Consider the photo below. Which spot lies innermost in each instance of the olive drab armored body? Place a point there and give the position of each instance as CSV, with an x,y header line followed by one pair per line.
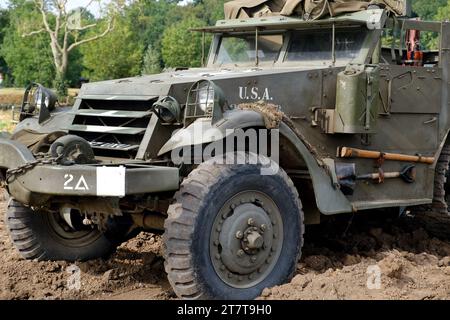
x,y
340,110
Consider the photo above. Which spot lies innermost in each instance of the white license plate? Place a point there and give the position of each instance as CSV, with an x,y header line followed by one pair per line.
x,y
111,181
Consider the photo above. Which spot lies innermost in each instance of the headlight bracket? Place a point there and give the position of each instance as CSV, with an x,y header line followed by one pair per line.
x,y
205,100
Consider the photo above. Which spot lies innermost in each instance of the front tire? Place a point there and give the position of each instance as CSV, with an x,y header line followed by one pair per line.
x,y
43,236
232,232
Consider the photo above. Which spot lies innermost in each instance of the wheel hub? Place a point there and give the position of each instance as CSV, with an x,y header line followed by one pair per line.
x,y
244,240
254,239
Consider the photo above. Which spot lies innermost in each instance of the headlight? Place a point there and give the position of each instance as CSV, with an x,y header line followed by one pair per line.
x,y
38,100
168,110
205,99
205,96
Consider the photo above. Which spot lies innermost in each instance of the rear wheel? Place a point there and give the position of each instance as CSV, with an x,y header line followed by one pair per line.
x,y
47,236
435,218
232,232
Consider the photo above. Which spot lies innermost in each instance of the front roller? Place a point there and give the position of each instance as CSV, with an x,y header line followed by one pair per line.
x,y
232,232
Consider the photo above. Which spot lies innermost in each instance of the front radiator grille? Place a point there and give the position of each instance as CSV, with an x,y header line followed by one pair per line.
x,y
113,128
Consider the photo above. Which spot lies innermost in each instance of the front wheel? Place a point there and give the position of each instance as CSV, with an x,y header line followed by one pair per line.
x,y
46,236
232,232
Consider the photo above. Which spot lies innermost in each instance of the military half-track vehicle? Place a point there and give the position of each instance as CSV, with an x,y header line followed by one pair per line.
x,y
358,125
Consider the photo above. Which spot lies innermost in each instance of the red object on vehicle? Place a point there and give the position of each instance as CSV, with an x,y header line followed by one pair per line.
x,y
414,53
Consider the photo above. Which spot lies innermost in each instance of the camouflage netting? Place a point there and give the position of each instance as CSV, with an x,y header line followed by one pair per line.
x,y
307,9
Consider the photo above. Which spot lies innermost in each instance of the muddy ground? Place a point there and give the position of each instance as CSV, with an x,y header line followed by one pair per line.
x,y
335,263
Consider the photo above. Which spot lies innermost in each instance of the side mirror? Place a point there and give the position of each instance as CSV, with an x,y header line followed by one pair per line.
x,y
38,100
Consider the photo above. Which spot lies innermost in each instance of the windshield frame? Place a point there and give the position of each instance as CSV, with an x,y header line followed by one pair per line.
x,y
216,45
368,46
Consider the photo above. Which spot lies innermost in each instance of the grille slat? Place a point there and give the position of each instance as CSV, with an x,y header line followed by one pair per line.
x,y
106,129
114,128
112,113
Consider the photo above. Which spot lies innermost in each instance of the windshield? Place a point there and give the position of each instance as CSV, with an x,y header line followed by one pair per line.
x,y
317,45
242,49
308,46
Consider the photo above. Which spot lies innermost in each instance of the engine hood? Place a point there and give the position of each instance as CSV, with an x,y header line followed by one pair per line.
x,y
148,87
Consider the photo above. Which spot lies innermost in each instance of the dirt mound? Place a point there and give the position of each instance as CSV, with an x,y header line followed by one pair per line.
x,y
340,261
396,259
137,267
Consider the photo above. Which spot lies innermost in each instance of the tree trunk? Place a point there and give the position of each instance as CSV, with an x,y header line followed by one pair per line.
x,y
61,83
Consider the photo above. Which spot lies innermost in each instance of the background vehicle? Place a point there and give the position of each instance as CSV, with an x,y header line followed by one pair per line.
x,y
359,127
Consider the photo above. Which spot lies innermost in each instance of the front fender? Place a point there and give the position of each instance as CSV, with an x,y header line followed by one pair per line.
x,y
202,131
329,200
13,154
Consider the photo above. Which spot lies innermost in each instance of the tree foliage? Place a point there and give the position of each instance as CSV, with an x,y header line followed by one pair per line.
x,y
4,22
443,12
180,46
117,55
428,9
151,62
149,35
27,59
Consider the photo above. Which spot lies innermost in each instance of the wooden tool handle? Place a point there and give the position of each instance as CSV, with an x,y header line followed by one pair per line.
x,y
345,152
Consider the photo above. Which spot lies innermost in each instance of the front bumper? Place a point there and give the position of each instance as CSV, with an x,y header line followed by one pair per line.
x,y
38,184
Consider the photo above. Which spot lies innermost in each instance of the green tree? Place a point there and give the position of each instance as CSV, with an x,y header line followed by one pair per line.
x,y
117,55
209,11
4,22
443,13
151,62
66,31
180,46
28,59
427,9
149,19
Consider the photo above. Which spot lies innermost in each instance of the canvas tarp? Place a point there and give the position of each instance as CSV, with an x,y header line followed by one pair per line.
x,y
307,9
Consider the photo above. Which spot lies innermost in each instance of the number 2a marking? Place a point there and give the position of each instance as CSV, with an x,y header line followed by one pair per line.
x,y
69,179
80,186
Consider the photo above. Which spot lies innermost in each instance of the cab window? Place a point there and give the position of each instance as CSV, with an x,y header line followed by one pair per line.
x,y
317,45
242,49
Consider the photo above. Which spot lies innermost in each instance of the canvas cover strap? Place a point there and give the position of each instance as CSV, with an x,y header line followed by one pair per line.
x,y
307,9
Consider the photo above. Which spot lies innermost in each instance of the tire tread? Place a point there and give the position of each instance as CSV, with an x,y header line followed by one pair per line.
x,y
179,227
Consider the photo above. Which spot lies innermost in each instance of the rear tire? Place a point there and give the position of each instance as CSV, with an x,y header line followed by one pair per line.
x,y
435,218
36,236
218,204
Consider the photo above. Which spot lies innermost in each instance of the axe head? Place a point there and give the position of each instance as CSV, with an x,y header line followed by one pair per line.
x,y
346,175
408,174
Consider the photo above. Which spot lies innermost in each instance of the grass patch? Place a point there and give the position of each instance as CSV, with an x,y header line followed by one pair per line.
x,y
11,96
6,123
14,96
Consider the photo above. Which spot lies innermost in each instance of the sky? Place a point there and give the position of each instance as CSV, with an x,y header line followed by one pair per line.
x,y
71,4
78,3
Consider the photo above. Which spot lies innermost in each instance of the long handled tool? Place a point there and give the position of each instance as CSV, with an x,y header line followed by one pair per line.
x,y
344,152
346,174
408,174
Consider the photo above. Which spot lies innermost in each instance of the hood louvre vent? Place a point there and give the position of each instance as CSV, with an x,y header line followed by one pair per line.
x,y
114,128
